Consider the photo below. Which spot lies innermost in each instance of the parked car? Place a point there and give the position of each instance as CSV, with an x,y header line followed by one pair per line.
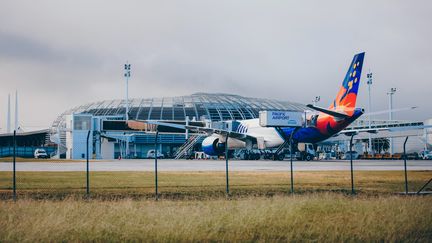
x,y
397,156
40,153
324,156
348,155
426,154
412,156
151,154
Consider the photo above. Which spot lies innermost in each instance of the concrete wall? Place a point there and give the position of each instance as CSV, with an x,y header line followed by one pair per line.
x,y
107,149
77,126
80,143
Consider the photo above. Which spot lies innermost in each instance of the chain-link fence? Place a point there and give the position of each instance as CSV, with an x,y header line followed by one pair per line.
x,y
22,177
60,179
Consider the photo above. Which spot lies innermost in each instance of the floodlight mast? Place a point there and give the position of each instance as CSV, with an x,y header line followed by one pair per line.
x,y
316,100
390,93
369,83
16,110
8,123
127,73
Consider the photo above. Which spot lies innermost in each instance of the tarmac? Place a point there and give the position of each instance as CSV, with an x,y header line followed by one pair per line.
x,y
219,165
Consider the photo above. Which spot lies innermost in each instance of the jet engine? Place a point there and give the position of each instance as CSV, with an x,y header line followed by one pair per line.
x,y
212,146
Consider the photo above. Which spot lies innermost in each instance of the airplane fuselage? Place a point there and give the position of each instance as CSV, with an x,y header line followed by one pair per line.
x,y
325,127
328,122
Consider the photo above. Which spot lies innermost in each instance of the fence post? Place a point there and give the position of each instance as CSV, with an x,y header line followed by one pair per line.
x,y
405,165
291,158
226,166
351,165
87,167
291,162
156,166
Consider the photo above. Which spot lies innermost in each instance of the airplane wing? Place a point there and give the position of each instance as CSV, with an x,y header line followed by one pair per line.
x,y
376,130
141,125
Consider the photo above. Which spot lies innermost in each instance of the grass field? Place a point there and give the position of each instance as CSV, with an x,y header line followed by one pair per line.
x,y
321,217
50,207
202,185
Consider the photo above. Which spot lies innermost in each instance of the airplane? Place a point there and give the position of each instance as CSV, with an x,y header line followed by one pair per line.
x,y
249,134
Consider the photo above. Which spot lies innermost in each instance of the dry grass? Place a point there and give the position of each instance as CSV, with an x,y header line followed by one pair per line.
x,y
260,208
322,217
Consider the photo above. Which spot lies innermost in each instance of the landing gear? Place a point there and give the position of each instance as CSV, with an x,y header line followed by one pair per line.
x,y
307,157
248,155
279,156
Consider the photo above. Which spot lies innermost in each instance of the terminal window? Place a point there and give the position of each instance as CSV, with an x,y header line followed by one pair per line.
x,y
82,122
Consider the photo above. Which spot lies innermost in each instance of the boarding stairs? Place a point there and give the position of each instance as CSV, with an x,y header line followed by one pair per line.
x,y
59,138
187,146
281,147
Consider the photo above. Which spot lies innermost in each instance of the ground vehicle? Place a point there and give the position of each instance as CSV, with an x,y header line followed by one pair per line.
x,y
425,154
40,153
306,151
151,154
413,156
331,155
350,154
253,154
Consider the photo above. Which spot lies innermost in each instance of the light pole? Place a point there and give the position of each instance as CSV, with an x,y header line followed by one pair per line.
x,y
390,93
127,73
16,111
316,100
369,83
8,122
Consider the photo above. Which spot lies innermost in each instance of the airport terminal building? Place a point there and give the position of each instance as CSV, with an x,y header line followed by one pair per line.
x,y
110,137
113,139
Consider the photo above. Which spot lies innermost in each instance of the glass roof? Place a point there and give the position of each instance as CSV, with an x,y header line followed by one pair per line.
x,y
198,106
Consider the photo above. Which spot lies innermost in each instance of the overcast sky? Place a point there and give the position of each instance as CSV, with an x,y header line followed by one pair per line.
x,y
61,54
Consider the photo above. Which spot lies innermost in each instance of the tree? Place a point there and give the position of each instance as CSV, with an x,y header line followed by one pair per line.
x,y
380,144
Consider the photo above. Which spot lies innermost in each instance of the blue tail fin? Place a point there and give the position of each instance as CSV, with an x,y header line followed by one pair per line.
x,y
347,94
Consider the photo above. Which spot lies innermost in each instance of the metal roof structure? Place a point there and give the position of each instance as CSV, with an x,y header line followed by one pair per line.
x,y
33,138
198,106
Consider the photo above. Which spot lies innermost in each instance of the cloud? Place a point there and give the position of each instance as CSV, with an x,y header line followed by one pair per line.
x,y
60,54
25,49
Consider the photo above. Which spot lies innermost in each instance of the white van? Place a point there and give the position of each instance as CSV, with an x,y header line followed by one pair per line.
x,y
40,153
151,154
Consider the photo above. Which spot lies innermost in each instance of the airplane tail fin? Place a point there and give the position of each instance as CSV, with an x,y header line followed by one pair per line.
x,y
346,98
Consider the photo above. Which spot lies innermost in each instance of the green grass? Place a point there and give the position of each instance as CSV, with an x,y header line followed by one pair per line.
x,y
319,217
203,185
